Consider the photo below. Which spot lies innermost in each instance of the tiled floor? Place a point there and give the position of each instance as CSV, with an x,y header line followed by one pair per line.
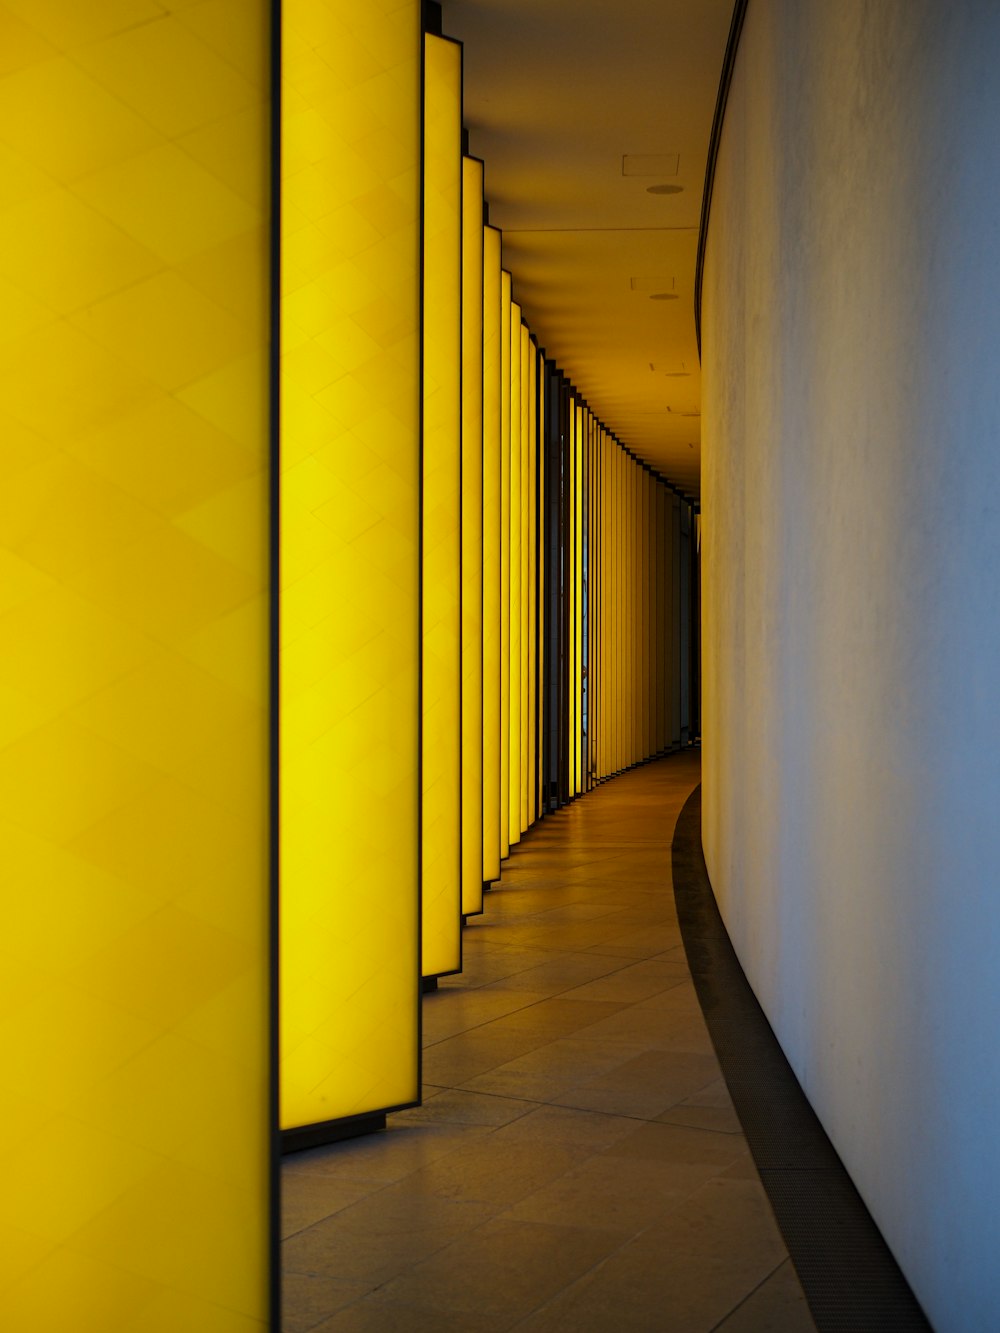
x,y
576,1164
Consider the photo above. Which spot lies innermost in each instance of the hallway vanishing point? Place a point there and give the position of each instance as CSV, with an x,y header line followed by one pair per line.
x,y
576,1163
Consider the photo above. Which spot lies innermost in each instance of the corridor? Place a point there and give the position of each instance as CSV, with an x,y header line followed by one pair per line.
x,y
576,1163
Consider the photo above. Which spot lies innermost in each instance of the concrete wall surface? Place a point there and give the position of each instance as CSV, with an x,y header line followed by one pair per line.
x,y
851,560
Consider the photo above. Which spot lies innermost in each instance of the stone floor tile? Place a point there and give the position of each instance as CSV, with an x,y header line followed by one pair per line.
x,y
445,1015
383,1157
374,1315
452,1062
561,972
630,984
776,1306
487,1174
591,1131
684,1276
503,1269
552,1069
309,1196
373,1245
621,1194
719,1118
658,1141
456,1106
308,1300
644,1085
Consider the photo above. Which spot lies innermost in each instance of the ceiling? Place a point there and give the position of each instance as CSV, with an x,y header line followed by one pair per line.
x,y
577,107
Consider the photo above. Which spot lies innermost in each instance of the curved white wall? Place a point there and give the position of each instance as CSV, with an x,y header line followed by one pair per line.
x,y
851,560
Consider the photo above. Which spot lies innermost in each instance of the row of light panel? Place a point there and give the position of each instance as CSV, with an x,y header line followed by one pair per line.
x,y
480,604
383,550
626,582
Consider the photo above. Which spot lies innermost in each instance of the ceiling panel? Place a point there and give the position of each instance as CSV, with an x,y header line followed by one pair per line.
x,y
577,108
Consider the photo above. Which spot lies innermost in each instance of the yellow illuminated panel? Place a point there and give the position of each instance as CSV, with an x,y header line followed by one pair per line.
x,y
635,527
642,608
584,608
665,499
505,565
602,679
472,535
602,714
350,578
649,664
638,612
527,496
515,666
628,534
533,640
647,615
602,604
491,556
631,622
591,603
654,616
611,618
676,696
630,607
578,599
541,610
642,615
570,593
134,1107
593,544
655,589
661,604
598,670
619,609
441,759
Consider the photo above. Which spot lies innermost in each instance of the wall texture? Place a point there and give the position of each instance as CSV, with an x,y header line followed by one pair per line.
x,y
851,548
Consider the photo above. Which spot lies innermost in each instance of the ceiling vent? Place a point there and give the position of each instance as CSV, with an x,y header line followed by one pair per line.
x,y
652,284
650,164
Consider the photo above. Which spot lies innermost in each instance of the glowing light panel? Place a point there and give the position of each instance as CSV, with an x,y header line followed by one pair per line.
x,y
514,664
492,551
505,563
527,499
441,941
473,690
350,582
134,1117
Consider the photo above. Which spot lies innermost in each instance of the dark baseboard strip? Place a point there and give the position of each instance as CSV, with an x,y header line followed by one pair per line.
x,y
330,1131
849,1276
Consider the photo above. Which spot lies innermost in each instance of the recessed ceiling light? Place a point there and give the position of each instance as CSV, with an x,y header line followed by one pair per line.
x,y
664,189
663,296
